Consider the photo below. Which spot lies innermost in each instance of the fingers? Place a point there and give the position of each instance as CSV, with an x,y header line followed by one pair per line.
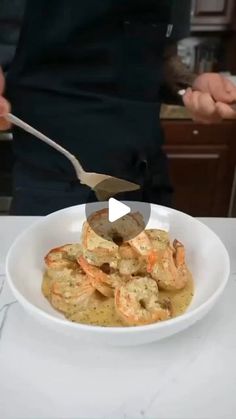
x,y
223,90
4,105
201,107
206,105
225,111
220,88
4,124
4,109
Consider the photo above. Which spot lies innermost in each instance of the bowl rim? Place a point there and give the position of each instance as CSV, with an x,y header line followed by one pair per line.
x,y
188,315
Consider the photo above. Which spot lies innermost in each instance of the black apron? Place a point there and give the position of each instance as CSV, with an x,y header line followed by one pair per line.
x,y
88,75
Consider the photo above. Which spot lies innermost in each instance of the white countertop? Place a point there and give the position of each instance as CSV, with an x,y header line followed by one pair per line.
x,y
189,376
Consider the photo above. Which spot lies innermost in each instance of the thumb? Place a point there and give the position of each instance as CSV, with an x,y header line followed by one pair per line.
x,y
4,105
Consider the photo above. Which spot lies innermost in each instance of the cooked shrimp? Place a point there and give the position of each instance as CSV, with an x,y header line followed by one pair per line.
x,y
170,270
179,253
63,256
129,266
120,260
117,232
159,241
180,263
73,251
117,280
97,249
73,294
159,238
141,243
126,251
137,302
60,274
151,260
109,245
99,279
130,261
56,258
71,288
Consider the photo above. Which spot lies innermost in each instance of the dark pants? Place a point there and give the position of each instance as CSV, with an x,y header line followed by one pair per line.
x,y
40,192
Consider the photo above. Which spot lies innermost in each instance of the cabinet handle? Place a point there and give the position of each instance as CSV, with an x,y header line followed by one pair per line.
x,y
195,132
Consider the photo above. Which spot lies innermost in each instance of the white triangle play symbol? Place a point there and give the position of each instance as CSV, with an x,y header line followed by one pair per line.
x,y
116,210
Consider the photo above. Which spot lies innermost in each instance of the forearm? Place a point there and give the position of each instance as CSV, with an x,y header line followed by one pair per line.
x,y
176,76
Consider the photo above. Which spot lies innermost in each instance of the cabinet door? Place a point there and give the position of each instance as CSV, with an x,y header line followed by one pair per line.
x,y
202,160
199,175
212,12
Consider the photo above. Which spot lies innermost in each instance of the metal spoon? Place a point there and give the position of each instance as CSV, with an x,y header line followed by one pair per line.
x,y
96,181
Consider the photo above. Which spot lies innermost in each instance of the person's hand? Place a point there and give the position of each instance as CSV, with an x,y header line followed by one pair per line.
x,y
211,99
4,105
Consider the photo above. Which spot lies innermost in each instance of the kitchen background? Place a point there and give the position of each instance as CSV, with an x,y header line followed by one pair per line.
x,y
202,159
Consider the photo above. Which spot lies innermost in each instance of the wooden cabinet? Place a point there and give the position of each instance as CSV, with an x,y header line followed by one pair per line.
x,y
212,14
201,163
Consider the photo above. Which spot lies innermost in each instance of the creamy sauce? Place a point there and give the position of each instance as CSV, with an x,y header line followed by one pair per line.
x,y
100,311
180,300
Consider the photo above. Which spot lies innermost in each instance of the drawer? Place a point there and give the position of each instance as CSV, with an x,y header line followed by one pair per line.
x,y
193,133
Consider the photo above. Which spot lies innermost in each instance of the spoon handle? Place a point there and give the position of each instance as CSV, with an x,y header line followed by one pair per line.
x,y
26,127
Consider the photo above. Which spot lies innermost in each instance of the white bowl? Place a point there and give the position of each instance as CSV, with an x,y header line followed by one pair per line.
x,y
206,256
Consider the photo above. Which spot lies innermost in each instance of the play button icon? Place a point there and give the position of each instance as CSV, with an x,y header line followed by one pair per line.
x,y
116,210
113,217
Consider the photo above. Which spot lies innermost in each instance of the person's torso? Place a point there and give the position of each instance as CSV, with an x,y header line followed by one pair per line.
x,y
104,47
88,73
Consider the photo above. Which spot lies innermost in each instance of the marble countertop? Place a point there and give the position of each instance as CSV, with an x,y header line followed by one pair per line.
x,y
44,375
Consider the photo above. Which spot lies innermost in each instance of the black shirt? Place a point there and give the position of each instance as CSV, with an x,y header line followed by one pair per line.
x,y
10,23
88,74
